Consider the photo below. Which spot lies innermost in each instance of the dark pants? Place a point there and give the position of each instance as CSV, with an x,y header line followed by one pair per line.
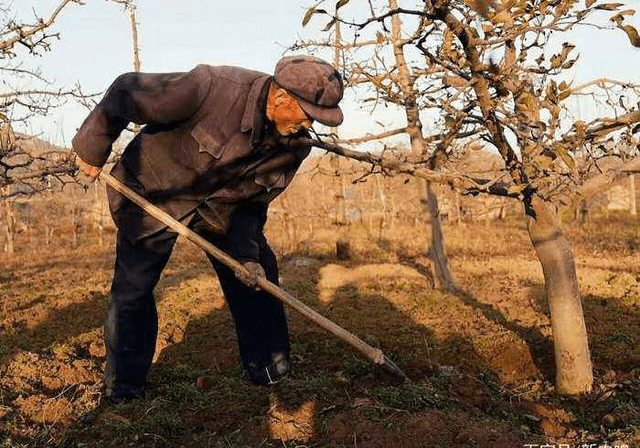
x,y
132,320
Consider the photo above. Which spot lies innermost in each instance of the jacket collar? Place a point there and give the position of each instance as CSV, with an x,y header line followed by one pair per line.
x,y
254,108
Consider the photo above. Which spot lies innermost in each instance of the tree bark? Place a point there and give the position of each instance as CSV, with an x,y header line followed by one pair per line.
x,y
136,48
289,225
632,195
442,278
573,363
99,215
340,210
9,228
74,227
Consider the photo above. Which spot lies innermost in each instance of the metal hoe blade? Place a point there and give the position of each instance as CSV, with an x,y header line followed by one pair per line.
x,y
393,368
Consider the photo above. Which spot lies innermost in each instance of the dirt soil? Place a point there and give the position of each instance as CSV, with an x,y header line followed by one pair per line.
x,y
480,359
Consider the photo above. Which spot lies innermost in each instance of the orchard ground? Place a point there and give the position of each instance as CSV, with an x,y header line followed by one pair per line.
x,y
481,359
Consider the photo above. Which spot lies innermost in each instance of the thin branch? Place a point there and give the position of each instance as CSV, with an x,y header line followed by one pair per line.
x,y
23,33
391,13
368,138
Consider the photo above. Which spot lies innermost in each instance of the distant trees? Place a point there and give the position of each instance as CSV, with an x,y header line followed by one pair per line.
x,y
494,74
26,168
25,92
27,164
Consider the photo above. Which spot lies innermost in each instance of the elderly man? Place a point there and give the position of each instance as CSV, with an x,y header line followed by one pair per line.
x,y
218,145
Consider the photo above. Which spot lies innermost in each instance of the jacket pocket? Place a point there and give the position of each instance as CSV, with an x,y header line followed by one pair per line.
x,y
271,180
209,144
117,201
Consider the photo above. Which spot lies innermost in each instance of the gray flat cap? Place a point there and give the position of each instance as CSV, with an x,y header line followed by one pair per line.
x,y
316,85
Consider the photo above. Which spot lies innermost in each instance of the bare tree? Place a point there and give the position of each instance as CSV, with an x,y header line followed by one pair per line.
x,y
397,86
130,5
26,168
496,74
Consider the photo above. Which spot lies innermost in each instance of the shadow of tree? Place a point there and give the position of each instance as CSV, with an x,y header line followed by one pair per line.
x,y
327,373
613,333
59,325
329,379
540,347
51,346
81,310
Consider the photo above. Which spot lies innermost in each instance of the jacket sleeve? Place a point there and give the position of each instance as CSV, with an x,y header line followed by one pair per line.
x,y
141,98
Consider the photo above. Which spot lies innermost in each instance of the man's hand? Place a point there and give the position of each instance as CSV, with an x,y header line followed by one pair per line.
x,y
92,172
255,272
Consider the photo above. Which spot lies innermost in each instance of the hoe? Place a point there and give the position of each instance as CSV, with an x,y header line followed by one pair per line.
x,y
373,354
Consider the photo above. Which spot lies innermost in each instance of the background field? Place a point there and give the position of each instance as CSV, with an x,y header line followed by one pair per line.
x,y
481,359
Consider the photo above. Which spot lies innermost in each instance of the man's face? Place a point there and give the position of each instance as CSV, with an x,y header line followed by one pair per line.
x,y
287,115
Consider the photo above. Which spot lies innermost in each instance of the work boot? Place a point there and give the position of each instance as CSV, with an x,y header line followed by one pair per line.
x,y
123,393
271,374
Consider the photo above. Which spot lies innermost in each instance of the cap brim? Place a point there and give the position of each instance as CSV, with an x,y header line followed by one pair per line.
x,y
329,116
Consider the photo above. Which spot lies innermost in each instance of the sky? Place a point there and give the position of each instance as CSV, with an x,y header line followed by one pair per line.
x,y
95,46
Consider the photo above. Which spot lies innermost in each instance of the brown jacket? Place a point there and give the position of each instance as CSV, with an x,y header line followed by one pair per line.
x,y
206,145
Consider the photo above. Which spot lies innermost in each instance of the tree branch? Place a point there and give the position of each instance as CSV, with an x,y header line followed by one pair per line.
x,y
23,34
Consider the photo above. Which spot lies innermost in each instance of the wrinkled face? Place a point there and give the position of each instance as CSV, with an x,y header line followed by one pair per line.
x,y
286,114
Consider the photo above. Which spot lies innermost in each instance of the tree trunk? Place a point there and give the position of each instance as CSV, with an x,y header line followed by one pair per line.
x,y
9,228
134,36
99,215
75,225
49,231
573,363
632,195
442,276
289,224
406,81
339,181
382,201
136,49
339,217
